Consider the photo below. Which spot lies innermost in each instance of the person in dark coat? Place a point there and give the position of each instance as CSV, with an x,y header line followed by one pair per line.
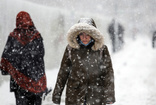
x,y
154,39
86,68
23,60
111,31
120,36
116,32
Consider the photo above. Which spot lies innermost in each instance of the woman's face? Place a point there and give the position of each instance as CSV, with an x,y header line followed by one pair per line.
x,y
85,38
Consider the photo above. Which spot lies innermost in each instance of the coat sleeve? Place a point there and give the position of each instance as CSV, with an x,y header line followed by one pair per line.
x,y
6,52
109,77
62,77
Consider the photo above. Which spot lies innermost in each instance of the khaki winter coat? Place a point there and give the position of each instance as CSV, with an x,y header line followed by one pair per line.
x,y
87,72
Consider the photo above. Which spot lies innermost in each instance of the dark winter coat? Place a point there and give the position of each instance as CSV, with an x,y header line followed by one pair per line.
x,y
87,71
22,57
154,39
112,31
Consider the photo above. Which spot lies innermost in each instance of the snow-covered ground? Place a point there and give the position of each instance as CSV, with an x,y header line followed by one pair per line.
x,y
135,74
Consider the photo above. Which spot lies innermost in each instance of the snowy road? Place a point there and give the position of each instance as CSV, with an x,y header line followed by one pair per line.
x,y
135,74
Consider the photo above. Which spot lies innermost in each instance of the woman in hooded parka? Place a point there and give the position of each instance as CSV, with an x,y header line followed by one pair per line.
x,y
22,59
86,68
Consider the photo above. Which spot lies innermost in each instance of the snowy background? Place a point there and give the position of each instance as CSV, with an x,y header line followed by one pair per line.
x,y
134,65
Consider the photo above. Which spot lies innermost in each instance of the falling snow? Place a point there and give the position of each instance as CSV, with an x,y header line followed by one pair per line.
x,y
134,65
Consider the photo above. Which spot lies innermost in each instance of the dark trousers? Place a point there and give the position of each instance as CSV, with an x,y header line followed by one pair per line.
x,y
84,103
154,42
27,99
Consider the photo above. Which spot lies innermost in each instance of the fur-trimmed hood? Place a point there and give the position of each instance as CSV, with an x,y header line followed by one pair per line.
x,y
78,28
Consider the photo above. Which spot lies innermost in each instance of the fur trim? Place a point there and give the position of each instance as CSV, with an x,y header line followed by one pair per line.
x,y
78,28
